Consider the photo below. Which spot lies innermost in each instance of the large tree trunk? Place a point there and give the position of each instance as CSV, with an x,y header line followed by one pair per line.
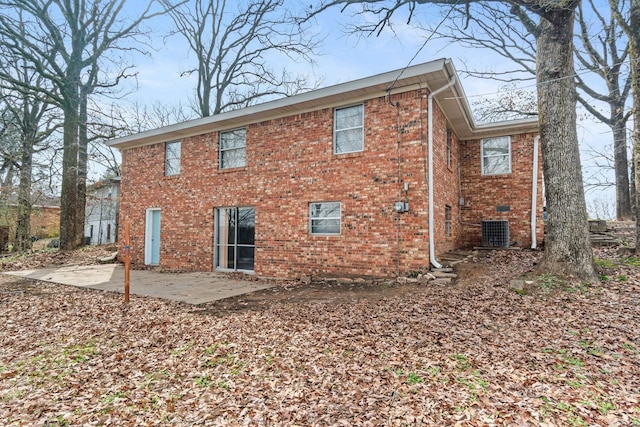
x,y
567,246
632,189
621,165
69,190
634,56
83,144
23,228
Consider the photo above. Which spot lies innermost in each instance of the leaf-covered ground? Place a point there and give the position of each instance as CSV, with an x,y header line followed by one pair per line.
x,y
474,353
87,255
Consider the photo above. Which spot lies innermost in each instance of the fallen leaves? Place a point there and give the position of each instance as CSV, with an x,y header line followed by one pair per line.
x,y
472,354
87,255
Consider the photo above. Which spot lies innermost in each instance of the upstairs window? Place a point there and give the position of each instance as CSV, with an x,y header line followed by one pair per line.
x,y
172,158
496,155
348,129
233,152
325,218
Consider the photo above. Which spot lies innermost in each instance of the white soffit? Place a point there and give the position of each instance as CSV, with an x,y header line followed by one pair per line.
x,y
431,75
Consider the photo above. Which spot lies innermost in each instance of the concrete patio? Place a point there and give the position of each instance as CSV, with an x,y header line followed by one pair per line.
x,y
192,288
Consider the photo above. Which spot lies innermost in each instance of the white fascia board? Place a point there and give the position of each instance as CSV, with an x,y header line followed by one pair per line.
x,y
456,108
507,127
312,100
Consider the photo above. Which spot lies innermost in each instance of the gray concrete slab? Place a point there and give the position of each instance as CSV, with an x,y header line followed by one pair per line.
x,y
192,288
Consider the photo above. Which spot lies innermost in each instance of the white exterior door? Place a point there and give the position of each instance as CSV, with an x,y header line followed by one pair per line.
x,y
152,238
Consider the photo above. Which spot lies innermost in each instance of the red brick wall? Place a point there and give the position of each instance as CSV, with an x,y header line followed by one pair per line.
x,y
45,221
482,194
446,184
290,163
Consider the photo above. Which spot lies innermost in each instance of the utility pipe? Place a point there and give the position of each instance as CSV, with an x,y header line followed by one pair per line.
x,y
432,251
534,192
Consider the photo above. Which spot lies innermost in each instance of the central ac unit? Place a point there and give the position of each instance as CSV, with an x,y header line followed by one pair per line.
x,y
495,233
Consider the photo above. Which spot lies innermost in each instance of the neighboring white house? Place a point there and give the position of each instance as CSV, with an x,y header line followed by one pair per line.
x,y
101,220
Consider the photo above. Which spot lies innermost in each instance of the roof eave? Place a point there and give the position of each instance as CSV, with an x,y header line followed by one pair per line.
x,y
453,102
430,74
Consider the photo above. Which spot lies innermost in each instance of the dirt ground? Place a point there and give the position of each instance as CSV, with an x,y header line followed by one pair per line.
x,y
332,293
286,293
477,266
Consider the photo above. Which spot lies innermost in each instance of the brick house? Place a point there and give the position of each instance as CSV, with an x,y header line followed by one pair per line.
x,y
45,219
332,181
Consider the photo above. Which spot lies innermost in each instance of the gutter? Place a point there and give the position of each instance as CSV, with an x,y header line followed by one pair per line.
x,y
432,251
534,192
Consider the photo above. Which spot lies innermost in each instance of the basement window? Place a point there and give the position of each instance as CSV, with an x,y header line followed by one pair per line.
x,y
348,129
233,149
496,155
324,217
447,221
172,158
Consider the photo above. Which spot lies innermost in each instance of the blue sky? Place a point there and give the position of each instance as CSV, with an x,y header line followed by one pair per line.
x,y
343,58
346,58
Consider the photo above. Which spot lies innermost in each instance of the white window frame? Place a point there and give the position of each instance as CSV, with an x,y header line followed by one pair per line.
x,y
483,156
447,221
312,218
221,150
336,131
174,161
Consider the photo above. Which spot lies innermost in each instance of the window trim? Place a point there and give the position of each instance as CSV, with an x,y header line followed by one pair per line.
x,y
339,218
447,220
167,159
221,150
336,130
482,155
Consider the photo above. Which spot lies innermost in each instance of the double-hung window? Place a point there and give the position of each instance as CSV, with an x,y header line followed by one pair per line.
x,y
324,217
348,129
172,158
496,155
233,152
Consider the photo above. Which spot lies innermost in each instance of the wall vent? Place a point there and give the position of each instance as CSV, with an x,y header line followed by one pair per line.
x,y
495,234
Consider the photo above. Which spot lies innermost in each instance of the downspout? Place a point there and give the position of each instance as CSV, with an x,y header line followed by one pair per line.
x,y
432,249
534,192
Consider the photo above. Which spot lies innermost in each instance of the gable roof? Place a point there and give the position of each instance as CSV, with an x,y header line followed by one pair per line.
x,y
432,75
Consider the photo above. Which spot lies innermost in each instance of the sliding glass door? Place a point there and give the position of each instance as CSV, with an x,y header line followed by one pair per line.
x,y
235,238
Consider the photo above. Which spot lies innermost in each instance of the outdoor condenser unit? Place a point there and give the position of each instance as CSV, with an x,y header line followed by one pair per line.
x,y
495,234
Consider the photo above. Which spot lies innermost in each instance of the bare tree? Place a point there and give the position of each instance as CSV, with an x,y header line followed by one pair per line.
x,y
32,123
509,103
69,44
35,124
142,117
600,49
9,150
630,26
602,208
603,52
567,247
235,44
